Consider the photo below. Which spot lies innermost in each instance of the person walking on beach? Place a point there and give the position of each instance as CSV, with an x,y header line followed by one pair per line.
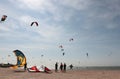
x,y
56,67
64,67
61,67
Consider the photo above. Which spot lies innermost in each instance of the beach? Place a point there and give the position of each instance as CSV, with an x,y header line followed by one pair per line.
x,y
7,73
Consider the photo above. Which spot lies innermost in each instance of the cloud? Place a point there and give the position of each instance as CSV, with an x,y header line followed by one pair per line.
x,y
100,14
45,7
43,30
89,22
34,4
89,10
3,28
26,19
93,14
77,4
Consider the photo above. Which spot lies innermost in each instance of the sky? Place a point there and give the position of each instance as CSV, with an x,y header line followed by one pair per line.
x,y
93,24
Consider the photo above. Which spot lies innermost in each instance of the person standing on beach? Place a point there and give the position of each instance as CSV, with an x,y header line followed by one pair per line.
x,y
25,66
61,67
56,67
64,67
71,66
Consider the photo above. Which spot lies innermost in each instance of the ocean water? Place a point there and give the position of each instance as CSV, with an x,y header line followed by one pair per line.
x,y
96,68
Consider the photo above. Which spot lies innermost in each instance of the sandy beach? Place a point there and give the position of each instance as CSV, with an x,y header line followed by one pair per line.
x,y
6,73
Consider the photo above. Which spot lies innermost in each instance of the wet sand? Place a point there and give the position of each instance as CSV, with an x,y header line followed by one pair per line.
x,y
6,73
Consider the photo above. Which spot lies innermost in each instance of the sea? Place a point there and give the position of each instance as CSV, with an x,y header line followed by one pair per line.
x,y
96,68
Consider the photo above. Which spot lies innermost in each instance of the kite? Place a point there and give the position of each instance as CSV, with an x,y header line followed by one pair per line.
x,y
87,54
42,55
42,69
60,46
71,39
8,55
34,23
63,53
3,18
33,69
62,49
21,59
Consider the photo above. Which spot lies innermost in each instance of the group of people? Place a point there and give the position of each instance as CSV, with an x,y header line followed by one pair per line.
x,y
62,67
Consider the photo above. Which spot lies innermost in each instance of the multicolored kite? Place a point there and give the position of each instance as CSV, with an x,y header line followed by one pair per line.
x,y
21,59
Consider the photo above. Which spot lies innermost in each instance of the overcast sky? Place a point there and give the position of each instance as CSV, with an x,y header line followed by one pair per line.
x,y
93,24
